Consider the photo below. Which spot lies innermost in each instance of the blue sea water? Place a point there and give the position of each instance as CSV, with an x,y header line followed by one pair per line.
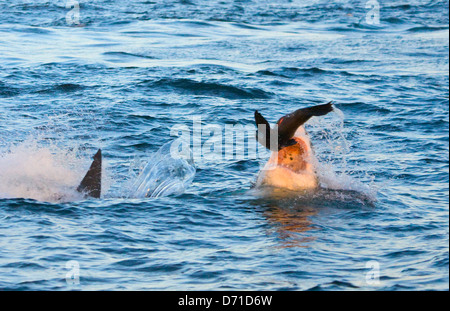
x,y
126,73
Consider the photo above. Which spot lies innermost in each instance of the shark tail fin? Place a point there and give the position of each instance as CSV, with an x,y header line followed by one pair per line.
x,y
91,185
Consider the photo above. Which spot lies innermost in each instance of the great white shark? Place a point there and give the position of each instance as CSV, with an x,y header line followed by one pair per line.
x,y
291,165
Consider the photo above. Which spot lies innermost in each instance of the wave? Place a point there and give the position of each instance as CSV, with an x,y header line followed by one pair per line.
x,y
427,28
63,88
365,107
295,72
289,72
127,55
7,91
208,89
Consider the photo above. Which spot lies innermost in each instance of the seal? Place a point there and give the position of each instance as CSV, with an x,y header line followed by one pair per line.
x,y
291,164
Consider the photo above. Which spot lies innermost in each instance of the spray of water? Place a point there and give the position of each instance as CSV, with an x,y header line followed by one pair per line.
x,y
44,173
163,175
333,168
49,173
44,163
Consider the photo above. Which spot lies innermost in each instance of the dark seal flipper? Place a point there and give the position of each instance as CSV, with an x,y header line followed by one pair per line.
x,y
287,126
264,133
91,186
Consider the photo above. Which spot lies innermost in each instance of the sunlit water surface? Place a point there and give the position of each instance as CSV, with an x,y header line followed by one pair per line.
x,y
132,70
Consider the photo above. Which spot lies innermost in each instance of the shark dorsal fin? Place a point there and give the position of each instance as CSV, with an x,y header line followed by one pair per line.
x,y
91,185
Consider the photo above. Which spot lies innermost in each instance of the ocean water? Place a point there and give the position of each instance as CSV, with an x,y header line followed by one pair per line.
x,y
125,76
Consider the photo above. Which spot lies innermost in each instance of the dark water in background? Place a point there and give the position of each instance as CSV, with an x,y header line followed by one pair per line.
x,y
137,68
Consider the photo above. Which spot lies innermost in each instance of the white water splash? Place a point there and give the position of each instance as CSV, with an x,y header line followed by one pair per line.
x,y
44,173
163,175
333,151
